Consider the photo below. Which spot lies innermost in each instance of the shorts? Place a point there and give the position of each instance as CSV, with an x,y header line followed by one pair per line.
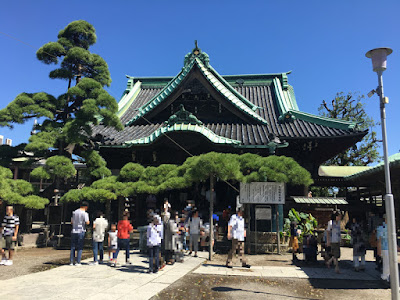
x,y
113,247
9,243
335,250
2,242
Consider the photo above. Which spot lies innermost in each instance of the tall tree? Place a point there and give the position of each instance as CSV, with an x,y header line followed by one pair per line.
x,y
350,107
68,119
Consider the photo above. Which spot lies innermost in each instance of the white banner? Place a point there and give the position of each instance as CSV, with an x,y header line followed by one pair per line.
x,y
262,193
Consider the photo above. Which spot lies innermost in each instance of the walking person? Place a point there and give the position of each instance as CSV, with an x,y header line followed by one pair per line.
x,y
100,226
195,225
359,247
124,230
383,249
237,233
171,232
9,227
79,220
294,241
153,244
333,240
112,242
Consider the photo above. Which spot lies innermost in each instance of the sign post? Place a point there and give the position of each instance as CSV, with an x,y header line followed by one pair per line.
x,y
263,193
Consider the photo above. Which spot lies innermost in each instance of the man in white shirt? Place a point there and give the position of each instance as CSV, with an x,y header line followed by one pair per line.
x,y
79,220
333,239
237,233
100,226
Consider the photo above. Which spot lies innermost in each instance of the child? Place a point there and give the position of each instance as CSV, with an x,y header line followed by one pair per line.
x,y
112,242
153,244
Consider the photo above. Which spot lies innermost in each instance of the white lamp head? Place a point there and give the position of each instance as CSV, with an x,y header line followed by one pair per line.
x,y
378,57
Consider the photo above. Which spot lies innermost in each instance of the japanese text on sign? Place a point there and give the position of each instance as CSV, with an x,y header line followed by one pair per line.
x,y
262,193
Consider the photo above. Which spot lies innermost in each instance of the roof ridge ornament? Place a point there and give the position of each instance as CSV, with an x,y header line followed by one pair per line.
x,y
182,116
197,53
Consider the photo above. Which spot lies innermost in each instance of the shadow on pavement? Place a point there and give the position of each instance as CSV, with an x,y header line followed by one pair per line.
x,y
229,289
348,284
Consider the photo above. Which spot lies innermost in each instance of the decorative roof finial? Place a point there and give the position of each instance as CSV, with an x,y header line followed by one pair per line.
x,y
195,44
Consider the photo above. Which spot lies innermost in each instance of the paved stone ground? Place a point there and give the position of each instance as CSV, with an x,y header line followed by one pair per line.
x,y
97,282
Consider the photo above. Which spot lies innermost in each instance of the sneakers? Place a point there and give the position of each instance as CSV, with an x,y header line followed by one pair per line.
x,y
94,263
71,264
246,266
78,264
8,263
3,262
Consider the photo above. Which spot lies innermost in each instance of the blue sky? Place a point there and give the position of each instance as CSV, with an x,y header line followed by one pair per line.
x,y
322,42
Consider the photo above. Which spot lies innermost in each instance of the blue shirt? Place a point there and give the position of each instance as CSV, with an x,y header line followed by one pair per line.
x,y
382,233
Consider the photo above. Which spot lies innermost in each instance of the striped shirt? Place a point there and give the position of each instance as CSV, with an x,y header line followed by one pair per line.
x,y
9,223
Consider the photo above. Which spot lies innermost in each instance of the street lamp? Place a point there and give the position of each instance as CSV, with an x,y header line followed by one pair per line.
x,y
378,57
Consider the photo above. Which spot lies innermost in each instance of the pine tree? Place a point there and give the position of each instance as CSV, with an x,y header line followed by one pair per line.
x,y
350,107
68,119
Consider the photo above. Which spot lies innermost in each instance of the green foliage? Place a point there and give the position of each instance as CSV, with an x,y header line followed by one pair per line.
x,y
60,166
131,172
88,194
351,107
222,165
18,191
96,165
69,118
273,168
305,222
40,173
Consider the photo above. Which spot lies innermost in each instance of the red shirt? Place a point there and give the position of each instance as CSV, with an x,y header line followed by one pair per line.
x,y
124,226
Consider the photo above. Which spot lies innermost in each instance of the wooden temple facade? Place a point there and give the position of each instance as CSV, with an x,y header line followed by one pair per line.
x,y
169,118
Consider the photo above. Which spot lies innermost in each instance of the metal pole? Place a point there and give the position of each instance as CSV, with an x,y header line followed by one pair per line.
x,y
211,217
389,202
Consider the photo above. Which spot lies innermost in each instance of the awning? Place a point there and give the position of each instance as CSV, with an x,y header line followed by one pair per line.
x,y
340,171
320,200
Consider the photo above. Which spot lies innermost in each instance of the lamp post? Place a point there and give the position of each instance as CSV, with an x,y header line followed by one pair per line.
x,y
378,57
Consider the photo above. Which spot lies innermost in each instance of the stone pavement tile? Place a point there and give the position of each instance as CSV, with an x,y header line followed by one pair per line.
x,y
125,287
148,290
167,278
107,296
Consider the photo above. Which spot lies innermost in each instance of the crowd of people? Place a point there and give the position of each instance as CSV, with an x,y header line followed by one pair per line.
x,y
168,235
365,233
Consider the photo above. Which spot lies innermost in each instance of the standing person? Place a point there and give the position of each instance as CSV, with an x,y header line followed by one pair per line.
x,y
170,237
237,233
333,239
100,226
124,229
79,220
112,242
383,249
294,242
359,247
9,227
195,225
153,244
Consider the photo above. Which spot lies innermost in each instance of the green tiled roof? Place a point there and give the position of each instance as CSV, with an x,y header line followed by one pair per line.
x,y
214,138
394,160
216,80
320,200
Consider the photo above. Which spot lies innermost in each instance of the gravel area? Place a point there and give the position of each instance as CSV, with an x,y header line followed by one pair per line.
x,y
33,260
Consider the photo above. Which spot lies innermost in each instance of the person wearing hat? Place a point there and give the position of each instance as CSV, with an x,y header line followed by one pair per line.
x,y
237,233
